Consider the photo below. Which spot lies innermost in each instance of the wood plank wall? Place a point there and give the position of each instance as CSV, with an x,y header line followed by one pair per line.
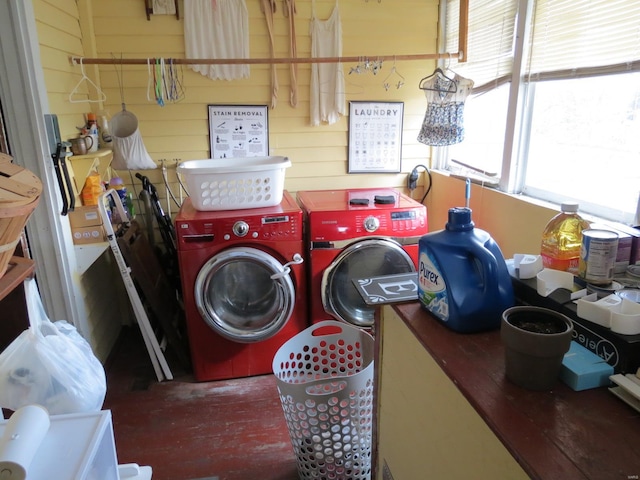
x,y
179,131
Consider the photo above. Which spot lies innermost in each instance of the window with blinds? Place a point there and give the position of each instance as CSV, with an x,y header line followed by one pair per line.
x,y
491,29
576,38
564,127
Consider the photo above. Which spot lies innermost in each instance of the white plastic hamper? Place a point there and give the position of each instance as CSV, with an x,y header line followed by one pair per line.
x,y
325,379
235,183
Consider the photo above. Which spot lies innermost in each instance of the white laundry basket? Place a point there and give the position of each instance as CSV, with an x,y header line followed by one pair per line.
x,y
235,183
325,380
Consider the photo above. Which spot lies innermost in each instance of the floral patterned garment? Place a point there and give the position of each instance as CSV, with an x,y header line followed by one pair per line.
x,y
443,122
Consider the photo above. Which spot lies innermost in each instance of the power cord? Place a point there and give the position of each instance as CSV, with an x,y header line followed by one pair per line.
x,y
412,180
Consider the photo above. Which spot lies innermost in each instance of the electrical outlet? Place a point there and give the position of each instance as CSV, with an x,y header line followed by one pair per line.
x,y
412,180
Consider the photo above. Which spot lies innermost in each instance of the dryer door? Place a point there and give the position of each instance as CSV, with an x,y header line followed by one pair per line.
x,y
243,294
364,259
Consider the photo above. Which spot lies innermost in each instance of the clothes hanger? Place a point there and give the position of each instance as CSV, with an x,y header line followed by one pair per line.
x,y
150,80
353,88
393,71
102,98
176,87
438,81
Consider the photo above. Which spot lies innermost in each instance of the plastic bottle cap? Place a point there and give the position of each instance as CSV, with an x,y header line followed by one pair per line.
x,y
459,219
569,207
116,182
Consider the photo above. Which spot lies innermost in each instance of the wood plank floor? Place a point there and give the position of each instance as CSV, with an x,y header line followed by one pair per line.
x,y
187,430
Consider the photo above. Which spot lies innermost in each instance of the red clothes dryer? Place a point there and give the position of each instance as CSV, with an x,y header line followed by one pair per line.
x,y
357,234
244,285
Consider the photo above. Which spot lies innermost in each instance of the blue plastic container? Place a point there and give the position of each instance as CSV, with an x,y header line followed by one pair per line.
x,y
462,278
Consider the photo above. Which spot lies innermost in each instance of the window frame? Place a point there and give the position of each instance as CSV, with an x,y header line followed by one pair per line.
x,y
521,98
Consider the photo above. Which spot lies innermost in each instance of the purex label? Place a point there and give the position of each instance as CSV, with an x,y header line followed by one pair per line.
x,y
432,289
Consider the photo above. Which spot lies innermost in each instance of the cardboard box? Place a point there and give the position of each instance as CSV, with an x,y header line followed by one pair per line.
x,y
92,234
87,216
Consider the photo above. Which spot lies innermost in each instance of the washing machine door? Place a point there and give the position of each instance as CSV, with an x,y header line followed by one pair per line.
x,y
364,259
244,294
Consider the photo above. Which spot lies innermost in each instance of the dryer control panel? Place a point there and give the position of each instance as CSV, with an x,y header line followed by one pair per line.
x,y
340,215
195,229
335,226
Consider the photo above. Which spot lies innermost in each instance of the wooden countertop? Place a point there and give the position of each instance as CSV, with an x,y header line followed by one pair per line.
x,y
561,434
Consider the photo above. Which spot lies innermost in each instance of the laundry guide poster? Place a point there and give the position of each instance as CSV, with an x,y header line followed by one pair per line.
x,y
375,137
238,131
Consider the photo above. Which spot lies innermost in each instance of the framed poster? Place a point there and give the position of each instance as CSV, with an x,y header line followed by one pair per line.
x,y
238,131
375,137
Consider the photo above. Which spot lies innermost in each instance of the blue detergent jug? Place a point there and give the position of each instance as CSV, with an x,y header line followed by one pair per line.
x,y
463,279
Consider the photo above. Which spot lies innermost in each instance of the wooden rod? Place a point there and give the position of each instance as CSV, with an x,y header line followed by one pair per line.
x,y
256,61
463,30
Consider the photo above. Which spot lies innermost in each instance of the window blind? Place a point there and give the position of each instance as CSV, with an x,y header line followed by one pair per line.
x,y
573,38
490,40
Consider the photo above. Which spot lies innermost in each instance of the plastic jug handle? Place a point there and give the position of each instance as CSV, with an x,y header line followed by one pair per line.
x,y
489,266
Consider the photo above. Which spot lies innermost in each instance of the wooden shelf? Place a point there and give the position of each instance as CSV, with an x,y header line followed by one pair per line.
x,y
87,254
18,270
13,303
82,165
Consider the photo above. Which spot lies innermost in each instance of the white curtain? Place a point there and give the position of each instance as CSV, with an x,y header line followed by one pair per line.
x,y
217,29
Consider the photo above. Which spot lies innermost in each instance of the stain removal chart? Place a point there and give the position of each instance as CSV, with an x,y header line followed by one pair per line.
x,y
238,131
375,137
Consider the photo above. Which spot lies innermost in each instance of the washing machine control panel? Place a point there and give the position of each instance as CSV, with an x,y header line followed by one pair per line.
x,y
371,224
240,228
194,234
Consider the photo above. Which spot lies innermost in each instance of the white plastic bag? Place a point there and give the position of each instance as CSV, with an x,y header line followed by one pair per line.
x,y
50,364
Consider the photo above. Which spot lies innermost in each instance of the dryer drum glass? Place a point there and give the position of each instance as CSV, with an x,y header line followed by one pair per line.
x,y
366,259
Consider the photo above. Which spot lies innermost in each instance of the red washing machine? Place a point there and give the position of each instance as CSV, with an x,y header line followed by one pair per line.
x,y
358,233
244,286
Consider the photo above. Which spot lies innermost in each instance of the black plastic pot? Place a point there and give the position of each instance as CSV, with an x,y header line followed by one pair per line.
x,y
535,341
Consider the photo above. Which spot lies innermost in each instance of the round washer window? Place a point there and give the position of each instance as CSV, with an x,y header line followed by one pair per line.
x,y
238,298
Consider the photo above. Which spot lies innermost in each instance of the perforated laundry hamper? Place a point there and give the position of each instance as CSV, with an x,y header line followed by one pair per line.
x,y
325,380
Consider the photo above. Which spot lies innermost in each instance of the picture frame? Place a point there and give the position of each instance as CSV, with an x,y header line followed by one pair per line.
x,y
375,136
238,131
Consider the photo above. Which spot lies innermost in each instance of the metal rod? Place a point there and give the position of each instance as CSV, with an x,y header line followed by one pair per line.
x,y
257,61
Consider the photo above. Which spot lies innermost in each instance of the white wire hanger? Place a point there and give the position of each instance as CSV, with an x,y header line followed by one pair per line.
x,y
399,80
84,78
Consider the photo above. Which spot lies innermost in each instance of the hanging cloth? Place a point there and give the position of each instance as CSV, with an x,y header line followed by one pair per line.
x,y
443,122
129,152
327,79
290,12
217,29
268,8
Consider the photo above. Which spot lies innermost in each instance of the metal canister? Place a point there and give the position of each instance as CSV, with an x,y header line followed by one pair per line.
x,y
598,256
